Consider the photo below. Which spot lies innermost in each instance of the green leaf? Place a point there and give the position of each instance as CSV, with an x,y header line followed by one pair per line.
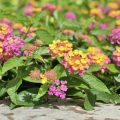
x,y
12,87
72,25
74,92
100,32
22,18
59,18
12,105
38,57
94,82
74,82
38,16
105,97
88,21
93,68
44,35
113,68
31,39
60,70
89,100
11,63
95,41
27,97
2,89
117,78
41,51
0,70
42,90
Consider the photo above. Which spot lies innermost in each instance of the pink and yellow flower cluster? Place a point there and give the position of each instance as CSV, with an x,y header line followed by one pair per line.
x,y
9,45
97,57
76,61
59,48
116,56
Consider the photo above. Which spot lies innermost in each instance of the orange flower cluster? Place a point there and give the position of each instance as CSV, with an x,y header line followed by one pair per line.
x,y
76,61
59,48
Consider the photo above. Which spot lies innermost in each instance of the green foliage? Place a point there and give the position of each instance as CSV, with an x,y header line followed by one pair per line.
x,y
44,35
89,100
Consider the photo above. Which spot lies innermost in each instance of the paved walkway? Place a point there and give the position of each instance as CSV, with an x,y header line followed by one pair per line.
x,y
61,110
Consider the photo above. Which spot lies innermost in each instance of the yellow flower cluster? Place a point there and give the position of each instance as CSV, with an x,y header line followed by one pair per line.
x,y
93,50
96,12
59,48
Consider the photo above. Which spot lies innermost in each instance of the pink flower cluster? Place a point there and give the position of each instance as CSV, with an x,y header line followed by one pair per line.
x,y
70,32
114,37
49,8
70,15
28,10
9,45
60,90
116,56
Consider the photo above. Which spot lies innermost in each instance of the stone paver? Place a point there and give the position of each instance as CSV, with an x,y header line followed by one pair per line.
x,y
62,110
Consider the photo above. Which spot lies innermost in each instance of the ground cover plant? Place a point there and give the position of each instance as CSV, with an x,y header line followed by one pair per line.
x,y
61,49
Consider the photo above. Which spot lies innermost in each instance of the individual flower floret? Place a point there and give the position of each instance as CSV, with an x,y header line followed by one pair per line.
x,y
35,75
76,61
114,37
59,89
59,48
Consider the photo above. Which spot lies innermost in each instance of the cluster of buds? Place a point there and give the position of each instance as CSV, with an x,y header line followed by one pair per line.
x,y
49,8
9,45
70,32
97,57
114,14
29,50
70,15
116,56
79,35
60,90
76,61
114,37
96,12
38,42
59,48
